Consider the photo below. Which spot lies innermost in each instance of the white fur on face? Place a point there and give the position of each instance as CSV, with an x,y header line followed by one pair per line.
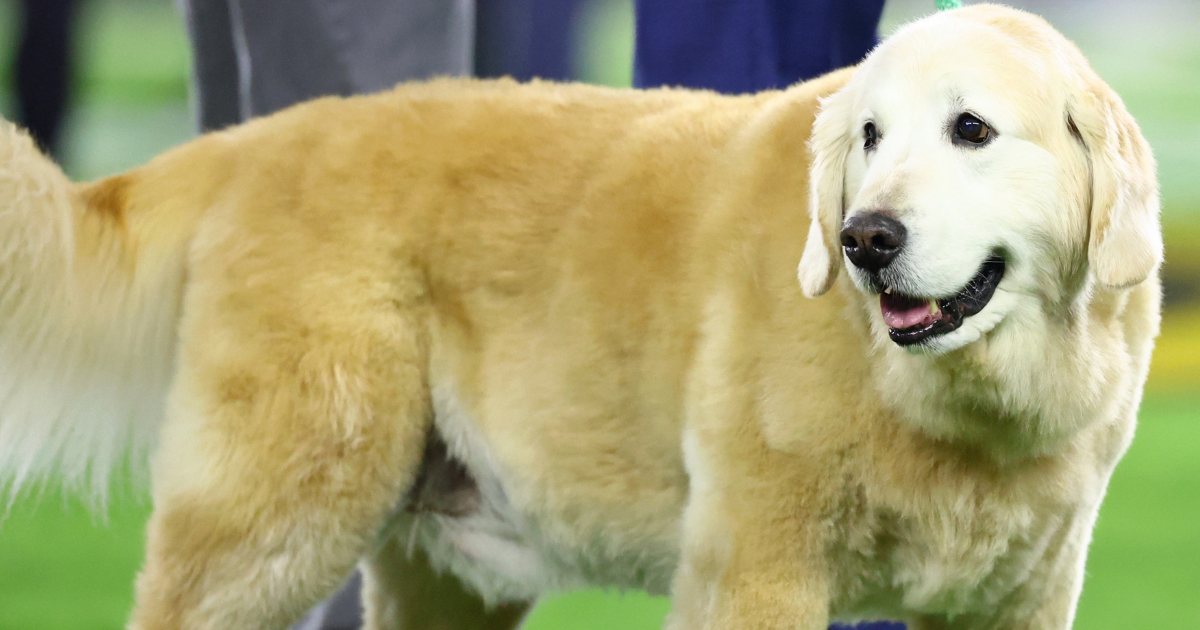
x,y
1023,195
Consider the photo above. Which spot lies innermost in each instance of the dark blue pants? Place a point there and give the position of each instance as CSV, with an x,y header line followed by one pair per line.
x,y
737,46
43,68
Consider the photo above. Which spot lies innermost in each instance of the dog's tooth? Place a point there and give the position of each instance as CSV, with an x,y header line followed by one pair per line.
x,y
888,290
933,307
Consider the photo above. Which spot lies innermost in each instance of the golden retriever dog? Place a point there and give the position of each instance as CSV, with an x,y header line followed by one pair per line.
x,y
493,340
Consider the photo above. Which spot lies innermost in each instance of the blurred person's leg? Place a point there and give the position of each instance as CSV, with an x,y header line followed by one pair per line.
x,y
738,46
342,611
216,100
43,68
253,57
301,49
525,39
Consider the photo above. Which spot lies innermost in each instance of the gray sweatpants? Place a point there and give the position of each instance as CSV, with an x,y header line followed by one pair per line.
x,y
253,57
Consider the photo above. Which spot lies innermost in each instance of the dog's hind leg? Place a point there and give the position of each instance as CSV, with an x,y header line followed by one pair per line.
x,y
296,424
401,591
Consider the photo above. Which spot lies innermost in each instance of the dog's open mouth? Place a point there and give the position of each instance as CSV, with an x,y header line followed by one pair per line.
x,y
911,320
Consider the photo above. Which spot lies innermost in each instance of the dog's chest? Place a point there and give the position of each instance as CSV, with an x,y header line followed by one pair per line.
x,y
961,559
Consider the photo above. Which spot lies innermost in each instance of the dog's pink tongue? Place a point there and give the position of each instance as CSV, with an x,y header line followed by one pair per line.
x,y
901,312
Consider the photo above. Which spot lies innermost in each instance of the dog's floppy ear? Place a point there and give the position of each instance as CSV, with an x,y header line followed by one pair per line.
x,y
832,139
1125,239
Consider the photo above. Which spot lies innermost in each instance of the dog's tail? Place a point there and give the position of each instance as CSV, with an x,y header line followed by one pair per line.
x,y
91,278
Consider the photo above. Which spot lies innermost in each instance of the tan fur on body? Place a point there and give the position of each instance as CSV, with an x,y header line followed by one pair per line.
x,y
590,295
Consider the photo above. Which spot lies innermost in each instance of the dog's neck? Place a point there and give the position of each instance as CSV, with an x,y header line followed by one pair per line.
x,y
1021,391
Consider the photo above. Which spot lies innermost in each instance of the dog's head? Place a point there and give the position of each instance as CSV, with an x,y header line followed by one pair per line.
x,y
975,169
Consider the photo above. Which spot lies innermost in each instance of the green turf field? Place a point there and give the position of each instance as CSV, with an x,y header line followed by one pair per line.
x,y
62,568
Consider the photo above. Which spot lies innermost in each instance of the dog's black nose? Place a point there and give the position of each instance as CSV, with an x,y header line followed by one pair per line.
x,y
872,240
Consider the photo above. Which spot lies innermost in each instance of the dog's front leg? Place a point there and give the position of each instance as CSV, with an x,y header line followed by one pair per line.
x,y
752,555
750,601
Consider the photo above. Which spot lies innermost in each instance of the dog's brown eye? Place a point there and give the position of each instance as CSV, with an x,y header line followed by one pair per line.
x,y
870,136
971,129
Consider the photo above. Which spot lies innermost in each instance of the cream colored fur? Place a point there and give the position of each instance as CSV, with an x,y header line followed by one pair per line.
x,y
88,309
591,296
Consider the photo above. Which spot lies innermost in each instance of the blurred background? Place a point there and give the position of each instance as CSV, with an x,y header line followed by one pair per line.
x,y
62,567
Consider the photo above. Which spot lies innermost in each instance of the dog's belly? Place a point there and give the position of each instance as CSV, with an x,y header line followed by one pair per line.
x,y
469,517
496,552
463,518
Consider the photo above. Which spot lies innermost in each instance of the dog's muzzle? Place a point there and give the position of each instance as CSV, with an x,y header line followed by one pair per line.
x,y
873,240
